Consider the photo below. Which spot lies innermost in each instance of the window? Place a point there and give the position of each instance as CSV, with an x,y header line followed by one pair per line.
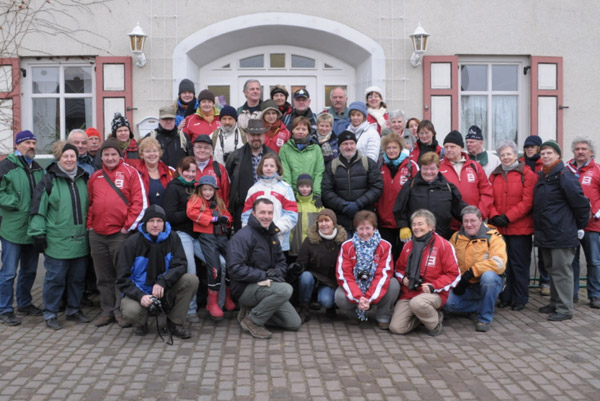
x,y
253,61
61,98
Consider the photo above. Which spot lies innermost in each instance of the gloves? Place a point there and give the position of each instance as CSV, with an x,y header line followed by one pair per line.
x,y
500,221
350,208
223,219
275,275
405,234
463,284
467,276
294,271
318,201
580,234
39,243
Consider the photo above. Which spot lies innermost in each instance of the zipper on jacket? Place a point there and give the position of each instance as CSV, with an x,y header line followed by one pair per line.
x,y
76,201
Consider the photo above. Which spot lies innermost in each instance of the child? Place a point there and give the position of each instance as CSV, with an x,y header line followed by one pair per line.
x,y
212,221
326,138
308,208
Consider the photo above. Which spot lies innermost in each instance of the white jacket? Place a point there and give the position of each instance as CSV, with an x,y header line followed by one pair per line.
x,y
368,140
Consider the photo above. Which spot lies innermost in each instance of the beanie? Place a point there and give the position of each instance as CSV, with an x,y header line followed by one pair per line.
x,y
154,211
304,179
358,106
92,132
455,137
553,144
474,133
206,95
228,111
328,213
69,146
279,89
25,136
118,122
346,136
112,143
186,85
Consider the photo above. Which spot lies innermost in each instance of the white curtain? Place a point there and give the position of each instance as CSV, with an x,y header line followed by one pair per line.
x,y
504,119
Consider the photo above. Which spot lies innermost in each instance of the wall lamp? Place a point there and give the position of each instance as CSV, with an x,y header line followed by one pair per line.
x,y
137,38
419,42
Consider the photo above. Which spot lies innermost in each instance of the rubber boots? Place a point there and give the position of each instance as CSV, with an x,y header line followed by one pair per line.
x,y
229,304
212,306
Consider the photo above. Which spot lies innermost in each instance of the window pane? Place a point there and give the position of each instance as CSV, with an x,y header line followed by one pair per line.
x,y
505,119
78,79
505,78
45,79
221,92
302,62
473,112
277,60
78,113
46,123
473,77
253,61
328,89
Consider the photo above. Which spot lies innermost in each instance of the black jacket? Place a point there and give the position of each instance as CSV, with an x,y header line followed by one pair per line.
x,y
175,145
559,209
350,182
175,203
441,198
250,253
319,255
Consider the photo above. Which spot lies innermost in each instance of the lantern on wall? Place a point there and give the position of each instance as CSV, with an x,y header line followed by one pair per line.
x,y
137,38
419,42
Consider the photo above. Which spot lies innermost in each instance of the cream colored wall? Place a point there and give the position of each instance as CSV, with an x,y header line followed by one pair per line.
x,y
463,27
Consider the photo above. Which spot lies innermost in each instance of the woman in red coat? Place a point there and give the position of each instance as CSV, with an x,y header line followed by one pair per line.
x,y
512,184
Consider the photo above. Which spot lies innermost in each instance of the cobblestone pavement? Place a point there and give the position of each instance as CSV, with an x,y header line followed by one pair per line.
x,y
523,357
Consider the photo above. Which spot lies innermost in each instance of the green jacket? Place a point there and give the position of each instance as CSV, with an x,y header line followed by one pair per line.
x,y
307,215
17,182
59,211
306,161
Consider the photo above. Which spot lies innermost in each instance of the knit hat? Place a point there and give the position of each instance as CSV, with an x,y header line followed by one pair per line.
x,y
206,95
552,144
270,105
69,146
256,127
92,132
474,133
112,143
328,213
455,137
25,136
279,89
208,180
154,211
167,112
228,111
118,122
373,89
186,85
346,136
533,140
204,139
358,106
304,179
301,93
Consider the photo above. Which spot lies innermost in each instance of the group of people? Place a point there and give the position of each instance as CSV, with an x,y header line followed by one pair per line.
x,y
280,211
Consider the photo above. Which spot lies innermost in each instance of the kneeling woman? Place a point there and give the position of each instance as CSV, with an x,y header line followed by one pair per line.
x,y
364,272
318,255
427,270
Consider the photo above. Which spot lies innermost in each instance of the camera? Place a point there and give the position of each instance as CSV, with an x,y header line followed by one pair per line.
x,y
155,307
415,283
363,275
225,156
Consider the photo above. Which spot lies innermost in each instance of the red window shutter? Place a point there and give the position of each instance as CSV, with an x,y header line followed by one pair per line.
x,y
547,97
11,92
113,91
441,87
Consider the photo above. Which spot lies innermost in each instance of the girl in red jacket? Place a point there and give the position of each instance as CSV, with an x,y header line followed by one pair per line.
x,y
212,221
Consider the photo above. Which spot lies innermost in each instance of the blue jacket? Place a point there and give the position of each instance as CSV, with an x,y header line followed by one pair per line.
x,y
143,262
559,209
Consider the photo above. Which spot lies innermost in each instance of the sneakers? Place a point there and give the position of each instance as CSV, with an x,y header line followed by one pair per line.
x,y
53,324
103,320
10,319
482,327
178,330
545,291
304,312
193,318
437,330
518,307
242,313
255,330
595,303
141,330
547,309
383,325
30,310
559,317
78,317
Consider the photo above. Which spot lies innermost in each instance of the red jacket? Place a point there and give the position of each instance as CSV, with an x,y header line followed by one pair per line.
x,y
276,137
381,279
108,213
473,184
439,267
589,178
415,152
373,120
222,182
513,196
391,189
166,174
199,211
196,125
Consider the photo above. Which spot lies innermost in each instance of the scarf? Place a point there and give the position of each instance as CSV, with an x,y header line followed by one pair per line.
x,y
413,267
330,236
274,176
188,107
365,266
325,145
358,131
208,117
70,174
423,148
482,158
547,169
530,161
379,115
186,183
396,162
302,143
511,167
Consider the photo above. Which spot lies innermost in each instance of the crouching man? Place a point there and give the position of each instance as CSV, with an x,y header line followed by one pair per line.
x,y
257,270
152,266
481,254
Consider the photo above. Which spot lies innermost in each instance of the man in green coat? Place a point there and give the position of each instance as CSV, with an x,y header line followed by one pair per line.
x,y
19,174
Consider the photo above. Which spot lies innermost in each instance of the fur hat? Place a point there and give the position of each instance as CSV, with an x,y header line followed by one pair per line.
x,y
455,137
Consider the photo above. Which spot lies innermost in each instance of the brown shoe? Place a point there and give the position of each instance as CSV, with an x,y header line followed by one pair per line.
x,y
255,330
122,322
103,320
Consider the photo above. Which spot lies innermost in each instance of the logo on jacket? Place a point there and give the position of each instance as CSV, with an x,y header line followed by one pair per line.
x,y
432,257
470,175
279,142
119,180
587,180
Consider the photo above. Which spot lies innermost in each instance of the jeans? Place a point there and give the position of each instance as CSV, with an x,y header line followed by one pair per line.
x,y
191,247
306,286
480,298
63,274
591,250
11,255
